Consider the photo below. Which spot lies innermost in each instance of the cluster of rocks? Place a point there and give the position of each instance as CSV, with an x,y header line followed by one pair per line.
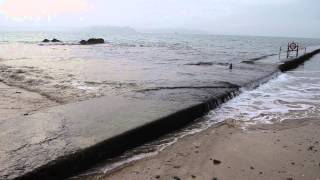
x,y
82,42
53,40
92,41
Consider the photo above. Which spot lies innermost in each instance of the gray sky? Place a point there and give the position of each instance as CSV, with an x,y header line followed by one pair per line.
x,y
241,17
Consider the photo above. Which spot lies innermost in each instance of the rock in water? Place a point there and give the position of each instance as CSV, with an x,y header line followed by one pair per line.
x,y
46,40
92,41
55,40
83,42
95,41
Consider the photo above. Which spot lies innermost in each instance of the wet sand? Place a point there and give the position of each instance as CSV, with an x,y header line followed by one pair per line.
x,y
288,150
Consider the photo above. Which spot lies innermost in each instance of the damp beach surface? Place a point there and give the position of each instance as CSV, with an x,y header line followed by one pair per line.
x,y
274,152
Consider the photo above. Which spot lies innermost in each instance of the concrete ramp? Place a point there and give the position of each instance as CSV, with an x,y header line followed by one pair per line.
x,y
65,134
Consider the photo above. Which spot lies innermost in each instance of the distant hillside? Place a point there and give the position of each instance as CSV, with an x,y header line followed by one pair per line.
x,y
109,29
173,31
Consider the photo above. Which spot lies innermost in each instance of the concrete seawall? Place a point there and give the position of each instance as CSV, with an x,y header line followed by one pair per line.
x,y
61,141
294,63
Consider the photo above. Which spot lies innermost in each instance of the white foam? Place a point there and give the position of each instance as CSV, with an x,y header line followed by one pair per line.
x,y
281,98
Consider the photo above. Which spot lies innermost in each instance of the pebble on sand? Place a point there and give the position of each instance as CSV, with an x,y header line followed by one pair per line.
x,y
176,178
216,162
310,148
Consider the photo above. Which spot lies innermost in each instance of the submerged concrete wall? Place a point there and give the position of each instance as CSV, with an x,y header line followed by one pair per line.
x,y
58,142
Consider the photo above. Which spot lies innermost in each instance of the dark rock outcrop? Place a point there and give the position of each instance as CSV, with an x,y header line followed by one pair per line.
x,y
46,40
83,42
55,40
92,41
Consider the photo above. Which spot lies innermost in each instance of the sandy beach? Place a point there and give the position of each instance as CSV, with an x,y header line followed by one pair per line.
x,y
288,150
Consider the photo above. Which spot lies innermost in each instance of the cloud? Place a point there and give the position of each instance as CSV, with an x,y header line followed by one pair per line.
x,y
41,8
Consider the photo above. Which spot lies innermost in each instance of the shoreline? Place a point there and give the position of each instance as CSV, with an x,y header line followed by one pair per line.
x,y
287,150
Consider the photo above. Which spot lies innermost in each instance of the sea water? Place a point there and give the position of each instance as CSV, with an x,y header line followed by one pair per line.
x,y
67,72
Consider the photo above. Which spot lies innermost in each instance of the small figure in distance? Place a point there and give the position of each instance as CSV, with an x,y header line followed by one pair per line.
x,y
230,66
